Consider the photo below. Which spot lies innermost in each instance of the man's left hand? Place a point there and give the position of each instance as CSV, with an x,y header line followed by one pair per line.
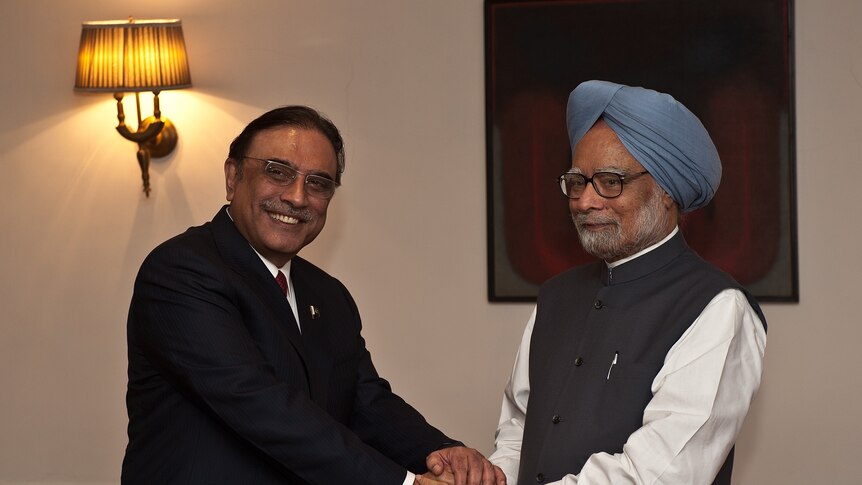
x,y
467,465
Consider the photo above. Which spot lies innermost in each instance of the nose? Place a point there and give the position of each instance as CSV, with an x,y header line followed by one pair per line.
x,y
295,192
589,200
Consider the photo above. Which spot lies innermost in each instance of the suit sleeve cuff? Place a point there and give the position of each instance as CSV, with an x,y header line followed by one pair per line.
x,y
450,444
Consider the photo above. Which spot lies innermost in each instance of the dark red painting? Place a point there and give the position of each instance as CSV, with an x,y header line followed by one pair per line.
x,y
730,62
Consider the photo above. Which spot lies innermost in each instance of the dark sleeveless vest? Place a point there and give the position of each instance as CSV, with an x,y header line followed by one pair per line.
x,y
585,318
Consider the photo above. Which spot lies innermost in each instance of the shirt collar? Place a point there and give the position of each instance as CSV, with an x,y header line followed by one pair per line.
x,y
644,251
273,269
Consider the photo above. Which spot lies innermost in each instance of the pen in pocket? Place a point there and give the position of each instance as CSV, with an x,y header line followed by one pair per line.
x,y
613,363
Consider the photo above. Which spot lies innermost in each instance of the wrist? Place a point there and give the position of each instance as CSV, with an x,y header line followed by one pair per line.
x,y
449,444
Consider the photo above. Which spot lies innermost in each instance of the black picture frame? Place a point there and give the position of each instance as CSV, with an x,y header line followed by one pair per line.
x,y
730,62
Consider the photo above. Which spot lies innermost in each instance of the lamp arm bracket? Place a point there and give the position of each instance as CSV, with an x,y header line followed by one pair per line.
x,y
144,162
141,136
155,136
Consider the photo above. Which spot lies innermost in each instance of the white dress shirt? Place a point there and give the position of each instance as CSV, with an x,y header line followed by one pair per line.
x,y
291,296
700,398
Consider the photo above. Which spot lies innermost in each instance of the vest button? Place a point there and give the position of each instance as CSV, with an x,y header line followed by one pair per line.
x,y
598,304
556,419
579,362
540,477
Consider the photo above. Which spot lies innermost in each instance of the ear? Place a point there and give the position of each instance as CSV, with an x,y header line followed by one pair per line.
x,y
231,178
667,200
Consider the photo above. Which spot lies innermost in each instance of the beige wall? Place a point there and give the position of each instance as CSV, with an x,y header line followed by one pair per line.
x,y
404,81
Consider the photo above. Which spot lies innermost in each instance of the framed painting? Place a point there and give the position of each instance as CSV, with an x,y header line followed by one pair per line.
x,y
730,62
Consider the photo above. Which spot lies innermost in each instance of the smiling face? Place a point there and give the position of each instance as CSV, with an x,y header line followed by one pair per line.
x,y
613,229
276,220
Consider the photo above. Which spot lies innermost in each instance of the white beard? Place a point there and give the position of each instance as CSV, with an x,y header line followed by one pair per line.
x,y
609,245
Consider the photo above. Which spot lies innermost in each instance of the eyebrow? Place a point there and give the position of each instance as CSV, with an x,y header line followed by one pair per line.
x,y
319,173
616,170
611,169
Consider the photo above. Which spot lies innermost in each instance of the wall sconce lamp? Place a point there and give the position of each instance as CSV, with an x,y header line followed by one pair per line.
x,y
134,56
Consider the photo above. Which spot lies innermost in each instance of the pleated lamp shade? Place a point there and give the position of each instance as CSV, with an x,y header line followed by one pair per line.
x,y
132,56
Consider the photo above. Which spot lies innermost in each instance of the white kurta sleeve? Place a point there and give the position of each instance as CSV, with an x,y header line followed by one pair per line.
x,y
700,399
510,431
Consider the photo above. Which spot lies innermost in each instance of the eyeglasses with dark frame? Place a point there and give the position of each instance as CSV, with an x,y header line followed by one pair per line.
x,y
284,175
607,184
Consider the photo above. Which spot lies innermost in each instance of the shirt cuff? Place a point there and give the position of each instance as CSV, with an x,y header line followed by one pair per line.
x,y
410,479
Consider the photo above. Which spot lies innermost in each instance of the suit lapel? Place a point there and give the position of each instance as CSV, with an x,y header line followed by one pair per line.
x,y
311,309
239,255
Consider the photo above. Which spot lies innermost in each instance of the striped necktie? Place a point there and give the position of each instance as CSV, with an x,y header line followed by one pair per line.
x,y
282,282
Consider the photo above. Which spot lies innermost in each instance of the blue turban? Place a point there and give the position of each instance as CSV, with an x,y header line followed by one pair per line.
x,y
665,137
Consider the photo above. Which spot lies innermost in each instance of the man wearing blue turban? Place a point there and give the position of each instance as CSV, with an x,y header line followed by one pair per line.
x,y
638,368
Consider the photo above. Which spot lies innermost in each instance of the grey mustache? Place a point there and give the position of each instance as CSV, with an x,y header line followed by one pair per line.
x,y
582,219
304,215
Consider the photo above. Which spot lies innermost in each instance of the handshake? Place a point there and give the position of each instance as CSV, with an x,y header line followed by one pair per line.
x,y
459,465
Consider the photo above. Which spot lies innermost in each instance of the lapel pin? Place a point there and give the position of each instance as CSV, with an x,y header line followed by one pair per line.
x,y
314,312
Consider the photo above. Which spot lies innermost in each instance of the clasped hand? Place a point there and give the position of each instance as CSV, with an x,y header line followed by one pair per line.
x,y
460,465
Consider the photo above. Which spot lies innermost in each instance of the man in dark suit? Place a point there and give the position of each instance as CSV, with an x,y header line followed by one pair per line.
x,y
246,362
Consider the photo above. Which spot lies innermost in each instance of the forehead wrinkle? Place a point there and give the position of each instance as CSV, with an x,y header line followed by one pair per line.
x,y
602,146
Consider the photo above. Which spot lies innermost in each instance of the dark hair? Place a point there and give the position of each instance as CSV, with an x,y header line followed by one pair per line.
x,y
299,116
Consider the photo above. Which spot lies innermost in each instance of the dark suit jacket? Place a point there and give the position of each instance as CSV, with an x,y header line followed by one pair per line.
x,y
223,388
